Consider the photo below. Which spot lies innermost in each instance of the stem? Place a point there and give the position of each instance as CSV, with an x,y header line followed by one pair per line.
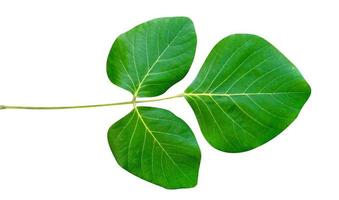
x,y
134,102
159,99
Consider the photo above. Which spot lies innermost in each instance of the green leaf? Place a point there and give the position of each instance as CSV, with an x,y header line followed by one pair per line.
x,y
157,146
151,57
246,93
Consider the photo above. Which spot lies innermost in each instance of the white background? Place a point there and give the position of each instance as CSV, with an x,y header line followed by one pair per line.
x,y
54,53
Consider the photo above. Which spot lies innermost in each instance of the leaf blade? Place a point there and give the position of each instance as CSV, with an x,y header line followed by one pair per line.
x,y
245,87
156,146
152,56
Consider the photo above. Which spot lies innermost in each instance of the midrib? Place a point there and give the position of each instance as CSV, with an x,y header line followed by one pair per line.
x,y
156,61
241,94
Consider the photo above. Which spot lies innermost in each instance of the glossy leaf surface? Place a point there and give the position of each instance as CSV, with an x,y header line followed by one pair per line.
x,y
157,146
151,57
246,93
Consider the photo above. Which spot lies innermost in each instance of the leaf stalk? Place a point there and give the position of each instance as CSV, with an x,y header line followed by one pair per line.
x,y
134,101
